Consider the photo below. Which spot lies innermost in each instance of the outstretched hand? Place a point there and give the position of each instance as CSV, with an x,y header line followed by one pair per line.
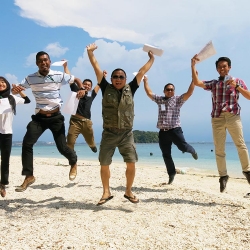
x,y
105,73
16,89
91,47
150,54
194,60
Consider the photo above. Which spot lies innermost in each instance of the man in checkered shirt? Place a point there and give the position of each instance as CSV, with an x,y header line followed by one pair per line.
x,y
225,115
169,123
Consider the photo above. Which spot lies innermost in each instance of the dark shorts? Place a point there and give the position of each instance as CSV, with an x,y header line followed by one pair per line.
x,y
123,139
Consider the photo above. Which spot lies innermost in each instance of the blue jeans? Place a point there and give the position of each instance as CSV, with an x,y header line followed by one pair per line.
x,y
166,138
35,129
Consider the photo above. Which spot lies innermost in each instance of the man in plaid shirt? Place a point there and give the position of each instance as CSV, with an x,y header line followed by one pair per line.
x,y
169,123
225,115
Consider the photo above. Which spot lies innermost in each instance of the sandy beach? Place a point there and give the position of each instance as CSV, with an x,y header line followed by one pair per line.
x,y
55,213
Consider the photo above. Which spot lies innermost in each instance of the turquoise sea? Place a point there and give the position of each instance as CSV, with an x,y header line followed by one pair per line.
x,y
150,155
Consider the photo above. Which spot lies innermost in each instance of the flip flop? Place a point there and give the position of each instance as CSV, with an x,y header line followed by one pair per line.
x,y
131,199
247,195
104,200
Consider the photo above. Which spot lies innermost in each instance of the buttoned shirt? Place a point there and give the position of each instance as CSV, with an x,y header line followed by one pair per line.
x,y
46,89
224,96
168,111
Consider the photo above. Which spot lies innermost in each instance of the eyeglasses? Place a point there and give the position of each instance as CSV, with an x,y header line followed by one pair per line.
x,y
118,77
169,90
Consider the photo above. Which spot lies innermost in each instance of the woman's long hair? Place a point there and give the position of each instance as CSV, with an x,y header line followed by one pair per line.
x,y
6,94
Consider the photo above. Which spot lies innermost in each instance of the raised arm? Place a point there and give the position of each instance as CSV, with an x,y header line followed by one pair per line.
x,y
65,67
144,69
97,87
195,78
93,61
146,87
189,92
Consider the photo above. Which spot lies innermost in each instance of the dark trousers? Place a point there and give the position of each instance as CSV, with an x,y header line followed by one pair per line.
x,y
166,138
5,146
35,129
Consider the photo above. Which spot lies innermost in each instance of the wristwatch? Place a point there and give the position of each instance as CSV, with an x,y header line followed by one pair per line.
x,y
237,85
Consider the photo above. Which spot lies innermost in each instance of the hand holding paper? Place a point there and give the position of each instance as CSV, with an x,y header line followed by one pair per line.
x,y
206,52
156,51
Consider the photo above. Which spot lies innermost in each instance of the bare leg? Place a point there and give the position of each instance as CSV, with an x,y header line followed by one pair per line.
x,y
105,175
130,175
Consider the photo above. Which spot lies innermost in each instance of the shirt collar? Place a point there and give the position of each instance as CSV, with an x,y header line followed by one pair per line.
x,y
51,73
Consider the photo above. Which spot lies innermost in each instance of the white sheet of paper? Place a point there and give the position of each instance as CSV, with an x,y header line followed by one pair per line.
x,y
60,63
71,104
156,51
135,73
206,52
5,106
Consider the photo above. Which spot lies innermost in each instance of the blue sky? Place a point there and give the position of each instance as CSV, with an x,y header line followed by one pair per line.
x,y
120,28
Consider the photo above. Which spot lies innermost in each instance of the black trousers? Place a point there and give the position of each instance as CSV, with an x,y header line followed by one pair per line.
x,y
35,129
5,146
166,138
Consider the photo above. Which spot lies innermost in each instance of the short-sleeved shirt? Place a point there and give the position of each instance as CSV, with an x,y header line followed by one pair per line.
x,y
168,111
224,96
6,117
85,102
133,85
46,89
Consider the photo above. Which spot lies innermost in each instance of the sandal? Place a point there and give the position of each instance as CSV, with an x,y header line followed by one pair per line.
x,y
104,200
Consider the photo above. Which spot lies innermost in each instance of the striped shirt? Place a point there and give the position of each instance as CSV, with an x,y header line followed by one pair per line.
x,y
168,111
224,96
46,89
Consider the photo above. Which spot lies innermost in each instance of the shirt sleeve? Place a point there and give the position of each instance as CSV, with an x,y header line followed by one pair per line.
x,y
208,84
24,83
133,85
68,79
242,83
103,84
74,87
19,100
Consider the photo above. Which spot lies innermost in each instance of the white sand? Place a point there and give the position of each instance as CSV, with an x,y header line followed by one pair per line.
x,y
55,213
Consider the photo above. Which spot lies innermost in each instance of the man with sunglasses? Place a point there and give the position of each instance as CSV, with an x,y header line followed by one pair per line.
x,y
118,116
169,123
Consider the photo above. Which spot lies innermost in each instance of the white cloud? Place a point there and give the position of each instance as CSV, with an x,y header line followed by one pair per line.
x,y
31,60
11,78
55,49
169,23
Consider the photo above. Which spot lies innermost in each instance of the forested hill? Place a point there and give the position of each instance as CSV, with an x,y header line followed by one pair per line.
x,y
145,136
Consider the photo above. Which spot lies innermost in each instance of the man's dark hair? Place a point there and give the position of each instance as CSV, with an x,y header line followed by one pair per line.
x,y
118,70
41,53
226,59
168,85
88,80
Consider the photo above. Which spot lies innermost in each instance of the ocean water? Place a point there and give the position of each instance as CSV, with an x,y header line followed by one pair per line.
x,y
149,154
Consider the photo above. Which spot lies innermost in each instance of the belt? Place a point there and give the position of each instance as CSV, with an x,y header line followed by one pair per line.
x,y
165,129
79,119
49,114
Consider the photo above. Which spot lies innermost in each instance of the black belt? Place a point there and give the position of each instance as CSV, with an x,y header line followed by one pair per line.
x,y
165,129
49,114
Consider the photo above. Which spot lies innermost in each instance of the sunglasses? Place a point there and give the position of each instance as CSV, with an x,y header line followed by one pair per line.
x,y
169,90
118,77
